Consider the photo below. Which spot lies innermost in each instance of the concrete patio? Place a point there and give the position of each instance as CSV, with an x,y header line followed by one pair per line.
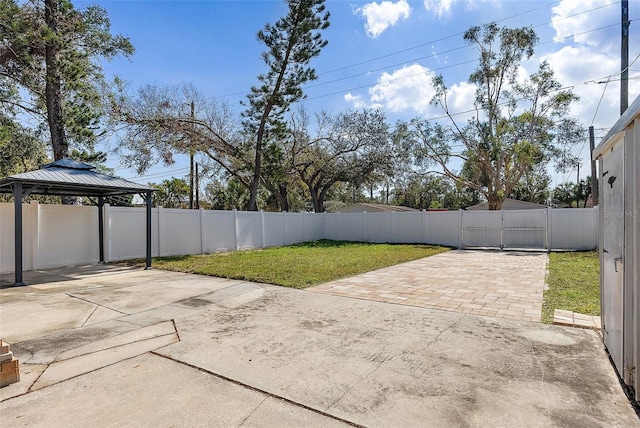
x,y
116,346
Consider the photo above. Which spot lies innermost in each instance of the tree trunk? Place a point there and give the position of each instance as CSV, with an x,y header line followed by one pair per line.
x,y
283,198
53,92
252,205
495,202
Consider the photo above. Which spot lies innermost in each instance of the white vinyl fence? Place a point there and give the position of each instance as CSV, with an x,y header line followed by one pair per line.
x,y
59,235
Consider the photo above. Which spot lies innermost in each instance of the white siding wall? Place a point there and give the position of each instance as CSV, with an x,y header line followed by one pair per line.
x,y
56,235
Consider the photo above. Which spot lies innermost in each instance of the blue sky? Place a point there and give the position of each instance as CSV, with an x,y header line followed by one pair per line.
x,y
380,54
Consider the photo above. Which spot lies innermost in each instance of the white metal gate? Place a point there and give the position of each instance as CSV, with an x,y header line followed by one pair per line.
x,y
505,229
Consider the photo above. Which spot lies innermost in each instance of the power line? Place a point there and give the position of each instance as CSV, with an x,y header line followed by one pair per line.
x,y
449,66
600,102
160,174
437,41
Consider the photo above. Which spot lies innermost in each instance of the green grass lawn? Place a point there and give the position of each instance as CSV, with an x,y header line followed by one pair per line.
x,y
574,284
300,265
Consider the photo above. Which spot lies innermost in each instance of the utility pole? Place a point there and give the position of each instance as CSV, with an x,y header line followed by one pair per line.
x,y
197,189
624,58
594,180
193,118
578,187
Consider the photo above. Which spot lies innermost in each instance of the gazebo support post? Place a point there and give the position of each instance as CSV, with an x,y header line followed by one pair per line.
x,y
101,227
17,197
148,198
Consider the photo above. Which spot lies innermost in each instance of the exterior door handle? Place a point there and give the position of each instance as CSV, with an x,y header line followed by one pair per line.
x,y
615,263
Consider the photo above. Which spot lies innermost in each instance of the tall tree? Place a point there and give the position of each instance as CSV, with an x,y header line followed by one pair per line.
x,y
518,123
291,44
21,149
50,67
171,193
533,186
347,148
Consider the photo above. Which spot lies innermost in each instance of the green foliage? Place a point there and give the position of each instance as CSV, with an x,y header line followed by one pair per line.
x,y
50,67
518,124
172,193
226,196
572,194
301,265
291,44
573,281
430,191
350,147
533,186
21,149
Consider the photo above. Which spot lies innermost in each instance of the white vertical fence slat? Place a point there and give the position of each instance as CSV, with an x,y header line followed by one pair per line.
x,y
574,228
57,235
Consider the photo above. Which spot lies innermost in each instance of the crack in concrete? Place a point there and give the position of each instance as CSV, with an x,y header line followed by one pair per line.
x,y
435,339
95,303
360,381
261,391
90,315
253,411
37,379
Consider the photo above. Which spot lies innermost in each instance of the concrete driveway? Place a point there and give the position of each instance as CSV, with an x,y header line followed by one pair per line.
x,y
113,346
499,284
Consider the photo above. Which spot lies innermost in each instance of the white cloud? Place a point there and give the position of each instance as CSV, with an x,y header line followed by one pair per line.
x,y
460,98
409,91
383,15
406,89
443,7
569,22
355,100
579,66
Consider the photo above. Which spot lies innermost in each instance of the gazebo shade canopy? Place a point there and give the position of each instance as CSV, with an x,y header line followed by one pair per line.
x,y
67,177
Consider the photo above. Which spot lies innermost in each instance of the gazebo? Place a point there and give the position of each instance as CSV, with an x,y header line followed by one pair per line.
x,y
67,177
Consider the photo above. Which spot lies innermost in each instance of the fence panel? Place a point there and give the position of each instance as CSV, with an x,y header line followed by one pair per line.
x,y
294,227
407,228
127,233
69,235
524,229
442,228
219,231
314,225
274,229
377,227
482,229
350,227
574,228
179,232
6,237
7,242
248,230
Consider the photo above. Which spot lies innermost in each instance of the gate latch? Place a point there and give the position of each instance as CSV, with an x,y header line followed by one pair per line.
x,y
615,263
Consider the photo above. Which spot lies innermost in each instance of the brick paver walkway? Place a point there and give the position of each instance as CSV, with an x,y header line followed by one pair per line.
x,y
491,283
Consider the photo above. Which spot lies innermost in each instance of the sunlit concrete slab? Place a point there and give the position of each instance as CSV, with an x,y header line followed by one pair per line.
x,y
60,371
26,320
260,355
152,391
378,364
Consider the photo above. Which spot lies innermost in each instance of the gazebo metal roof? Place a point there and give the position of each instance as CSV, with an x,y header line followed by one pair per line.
x,y
66,177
